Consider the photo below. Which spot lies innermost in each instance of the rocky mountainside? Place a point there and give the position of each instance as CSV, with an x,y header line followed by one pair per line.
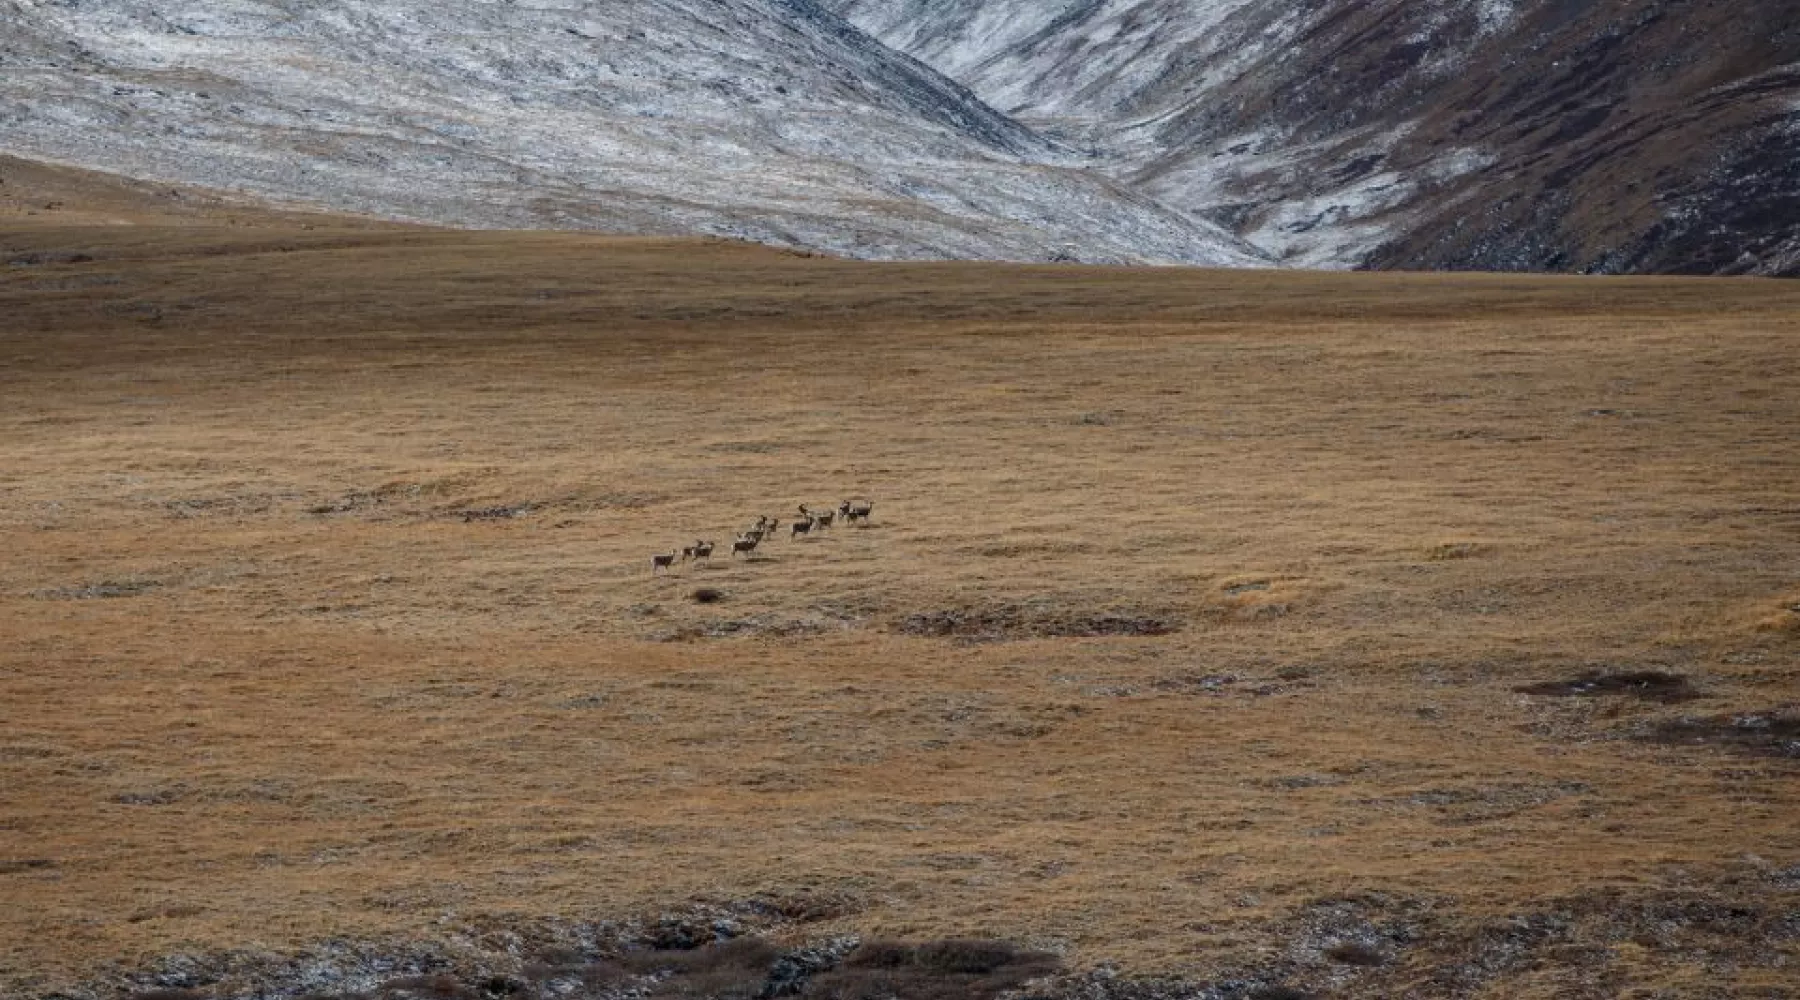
x,y
771,120
1614,135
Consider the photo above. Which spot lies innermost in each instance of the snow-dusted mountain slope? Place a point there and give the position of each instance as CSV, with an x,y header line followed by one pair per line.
x,y
1053,58
766,119
1644,135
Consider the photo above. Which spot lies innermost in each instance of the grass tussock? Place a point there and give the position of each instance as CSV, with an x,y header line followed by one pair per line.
x,y
1783,619
1251,599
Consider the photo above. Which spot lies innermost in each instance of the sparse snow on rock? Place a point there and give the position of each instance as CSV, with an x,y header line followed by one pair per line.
x,y
1049,58
770,120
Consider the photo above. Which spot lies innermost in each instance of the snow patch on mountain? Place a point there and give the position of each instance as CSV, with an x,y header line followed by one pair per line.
x,y
1051,58
771,120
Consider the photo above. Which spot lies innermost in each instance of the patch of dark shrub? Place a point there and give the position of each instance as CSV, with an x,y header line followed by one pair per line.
x,y
1013,621
676,934
756,626
728,970
805,907
941,970
495,513
151,797
1760,734
596,975
1648,685
1278,993
1355,953
438,987
707,595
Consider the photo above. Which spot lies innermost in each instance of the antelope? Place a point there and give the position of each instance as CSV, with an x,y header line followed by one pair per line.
x,y
745,545
662,562
854,512
799,528
824,520
704,550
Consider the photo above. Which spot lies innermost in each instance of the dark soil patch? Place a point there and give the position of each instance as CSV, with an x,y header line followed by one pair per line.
x,y
1031,621
1648,685
1759,734
707,595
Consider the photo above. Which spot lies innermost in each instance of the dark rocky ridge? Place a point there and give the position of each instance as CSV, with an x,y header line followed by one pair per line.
x,y
1518,135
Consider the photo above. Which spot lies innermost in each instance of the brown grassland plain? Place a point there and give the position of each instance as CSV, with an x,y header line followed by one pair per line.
x,y
328,611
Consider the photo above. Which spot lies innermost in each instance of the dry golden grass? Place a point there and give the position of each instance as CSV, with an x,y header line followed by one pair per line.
x,y
263,682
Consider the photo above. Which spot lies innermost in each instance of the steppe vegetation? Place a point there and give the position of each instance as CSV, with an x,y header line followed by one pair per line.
x,y
1286,634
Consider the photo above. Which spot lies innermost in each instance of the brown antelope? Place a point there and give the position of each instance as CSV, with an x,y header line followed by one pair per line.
x,y
824,520
856,511
704,550
799,528
745,545
662,562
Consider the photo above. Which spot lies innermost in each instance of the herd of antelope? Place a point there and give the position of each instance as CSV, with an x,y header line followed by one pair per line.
x,y
765,528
